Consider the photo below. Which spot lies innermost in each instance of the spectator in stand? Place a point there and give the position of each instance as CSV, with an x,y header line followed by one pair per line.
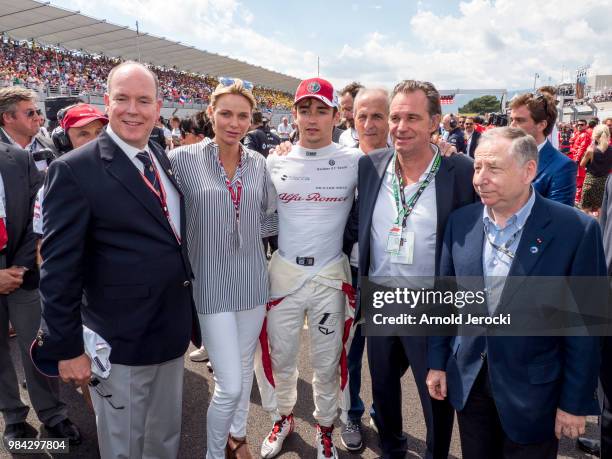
x,y
65,72
581,142
556,175
349,137
284,129
598,161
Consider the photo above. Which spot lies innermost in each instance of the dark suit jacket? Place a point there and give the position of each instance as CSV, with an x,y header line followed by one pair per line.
x,y
474,143
42,139
556,177
107,237
453,190
21,183
530,376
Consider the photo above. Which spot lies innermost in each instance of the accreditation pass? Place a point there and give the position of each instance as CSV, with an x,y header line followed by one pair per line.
x,y
400,245
37,445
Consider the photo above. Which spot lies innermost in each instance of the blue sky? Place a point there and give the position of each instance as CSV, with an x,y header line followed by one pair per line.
x,y
469,44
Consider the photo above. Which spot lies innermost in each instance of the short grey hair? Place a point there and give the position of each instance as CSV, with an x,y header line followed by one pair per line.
x,y
364,92
11,96
522,145
109,79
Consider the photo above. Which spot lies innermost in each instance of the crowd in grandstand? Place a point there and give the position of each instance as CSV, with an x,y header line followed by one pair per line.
x,y
70,72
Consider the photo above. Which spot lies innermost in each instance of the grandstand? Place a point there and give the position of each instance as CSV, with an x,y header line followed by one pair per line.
x,y
597,100
61,52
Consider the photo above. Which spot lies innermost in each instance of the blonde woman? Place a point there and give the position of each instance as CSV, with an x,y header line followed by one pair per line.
x,y
229,201
598,161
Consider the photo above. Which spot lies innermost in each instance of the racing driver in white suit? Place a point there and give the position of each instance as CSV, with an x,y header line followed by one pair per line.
x,y
309,274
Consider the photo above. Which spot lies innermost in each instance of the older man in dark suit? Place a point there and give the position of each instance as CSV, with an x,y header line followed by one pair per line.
x,y
411,190
114,223
516,395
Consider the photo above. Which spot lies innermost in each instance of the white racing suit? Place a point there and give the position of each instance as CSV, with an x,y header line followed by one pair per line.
x,y
327,300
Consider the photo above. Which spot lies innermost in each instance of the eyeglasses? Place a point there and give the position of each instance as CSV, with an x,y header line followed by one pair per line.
x,y
31,112
227,81
95,383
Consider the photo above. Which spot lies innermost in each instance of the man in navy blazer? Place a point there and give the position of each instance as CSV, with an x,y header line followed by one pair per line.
x,y
114,223
556,175
414,114
516,396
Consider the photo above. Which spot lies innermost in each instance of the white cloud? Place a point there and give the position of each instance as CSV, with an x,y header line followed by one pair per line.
x,y
489,44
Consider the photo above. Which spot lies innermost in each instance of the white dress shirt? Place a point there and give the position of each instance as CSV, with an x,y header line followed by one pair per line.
x,y
173,199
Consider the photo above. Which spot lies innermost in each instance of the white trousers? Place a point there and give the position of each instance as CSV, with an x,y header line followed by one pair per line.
x,y
230,339
325,309
138,411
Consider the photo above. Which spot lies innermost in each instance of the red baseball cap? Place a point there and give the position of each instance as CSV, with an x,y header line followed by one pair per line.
x,y
317,88
80,115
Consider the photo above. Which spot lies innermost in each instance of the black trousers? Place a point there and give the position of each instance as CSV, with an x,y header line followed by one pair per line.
x,y
389,357
481,431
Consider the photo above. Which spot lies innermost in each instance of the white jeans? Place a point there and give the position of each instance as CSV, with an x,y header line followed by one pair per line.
x,y
230,338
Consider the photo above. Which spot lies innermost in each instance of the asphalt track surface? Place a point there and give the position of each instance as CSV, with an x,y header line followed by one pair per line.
x,y
198,388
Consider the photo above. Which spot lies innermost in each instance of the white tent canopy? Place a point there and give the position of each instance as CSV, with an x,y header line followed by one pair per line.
x,y
32,20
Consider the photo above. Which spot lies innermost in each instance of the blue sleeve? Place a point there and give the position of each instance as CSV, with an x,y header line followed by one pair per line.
x,y
562,186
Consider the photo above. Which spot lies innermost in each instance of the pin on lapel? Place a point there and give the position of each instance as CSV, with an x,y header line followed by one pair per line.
x,y
539,240
533,249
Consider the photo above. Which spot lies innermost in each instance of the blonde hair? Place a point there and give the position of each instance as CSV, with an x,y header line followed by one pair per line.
x,y
237,87
601,137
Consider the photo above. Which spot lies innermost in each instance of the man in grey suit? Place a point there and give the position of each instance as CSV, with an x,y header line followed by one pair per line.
x,y
445,183
20,303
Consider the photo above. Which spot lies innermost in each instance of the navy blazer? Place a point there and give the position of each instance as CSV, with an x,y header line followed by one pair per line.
x,y
106,236
530,376
556,176
453,190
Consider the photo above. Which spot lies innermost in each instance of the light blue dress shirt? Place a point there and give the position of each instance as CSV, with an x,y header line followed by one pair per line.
x,y
495,263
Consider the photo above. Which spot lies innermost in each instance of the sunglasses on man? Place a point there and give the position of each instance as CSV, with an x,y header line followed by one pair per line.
x,y
31,112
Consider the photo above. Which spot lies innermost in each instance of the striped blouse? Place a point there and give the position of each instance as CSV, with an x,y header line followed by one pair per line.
x,y
227,255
